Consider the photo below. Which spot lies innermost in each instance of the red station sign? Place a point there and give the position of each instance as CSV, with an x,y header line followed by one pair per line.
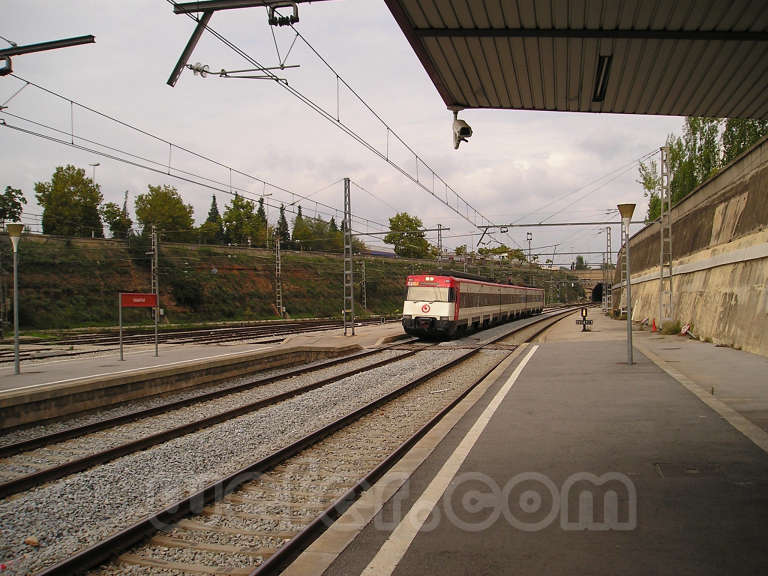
x,y
138,300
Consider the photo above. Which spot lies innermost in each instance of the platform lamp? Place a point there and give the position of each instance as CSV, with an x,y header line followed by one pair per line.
x,y
626,211
14,233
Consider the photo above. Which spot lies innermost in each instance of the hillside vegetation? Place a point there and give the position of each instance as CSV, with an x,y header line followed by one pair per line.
x,y
67,283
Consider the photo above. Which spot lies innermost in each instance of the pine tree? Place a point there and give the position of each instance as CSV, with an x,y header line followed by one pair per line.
x,y
214,217
262,224
283,231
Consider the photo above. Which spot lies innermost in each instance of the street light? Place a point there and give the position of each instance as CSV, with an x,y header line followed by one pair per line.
x,y
529,237
626,211
14,233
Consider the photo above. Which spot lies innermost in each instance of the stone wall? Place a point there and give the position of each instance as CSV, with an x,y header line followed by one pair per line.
x,y
720,258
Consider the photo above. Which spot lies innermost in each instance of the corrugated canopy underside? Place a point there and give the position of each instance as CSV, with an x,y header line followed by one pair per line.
x,y
668,57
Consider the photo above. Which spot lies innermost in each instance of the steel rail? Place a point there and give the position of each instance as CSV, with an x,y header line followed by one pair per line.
x,y
287,553
208,334
61,470
202,335
120,541
41,441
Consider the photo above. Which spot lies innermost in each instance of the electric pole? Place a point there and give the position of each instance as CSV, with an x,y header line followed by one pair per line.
x,y
665,255
278,277
439,242
349,286
363,287
155,281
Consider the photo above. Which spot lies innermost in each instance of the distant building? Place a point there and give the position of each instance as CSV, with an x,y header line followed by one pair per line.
x,y
381,251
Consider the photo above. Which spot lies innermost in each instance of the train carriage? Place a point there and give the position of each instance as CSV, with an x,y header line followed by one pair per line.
x,y
446,306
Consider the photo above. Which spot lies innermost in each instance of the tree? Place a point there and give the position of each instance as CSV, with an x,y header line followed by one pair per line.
x,y
70,203
336,237
301,232
240,222
283,232
10,204
698,155
117,219
739,134
460,250
262,225
407,237
214,222
580,265
163,207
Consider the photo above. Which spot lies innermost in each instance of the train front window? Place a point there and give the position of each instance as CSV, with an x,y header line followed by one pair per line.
x,y
429,294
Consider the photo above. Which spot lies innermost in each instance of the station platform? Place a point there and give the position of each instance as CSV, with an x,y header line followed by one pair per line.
x,y
568,460
48,388
140,357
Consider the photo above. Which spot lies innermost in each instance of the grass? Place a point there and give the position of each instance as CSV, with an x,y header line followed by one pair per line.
x,y
69,284
671,328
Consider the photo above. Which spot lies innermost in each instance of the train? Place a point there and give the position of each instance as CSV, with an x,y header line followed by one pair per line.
x,y
449,305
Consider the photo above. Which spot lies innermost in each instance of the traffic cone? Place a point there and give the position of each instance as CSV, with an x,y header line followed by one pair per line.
x,y
653,326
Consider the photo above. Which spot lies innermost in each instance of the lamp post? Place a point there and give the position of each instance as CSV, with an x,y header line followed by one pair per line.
x,y
626,211
529,237
14,233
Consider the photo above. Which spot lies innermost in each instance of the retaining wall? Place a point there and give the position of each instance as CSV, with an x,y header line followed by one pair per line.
x,y
720,258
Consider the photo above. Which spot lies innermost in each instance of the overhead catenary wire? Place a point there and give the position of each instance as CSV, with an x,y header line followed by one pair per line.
x,y
374,196
157,166
223,188
334,119
613,174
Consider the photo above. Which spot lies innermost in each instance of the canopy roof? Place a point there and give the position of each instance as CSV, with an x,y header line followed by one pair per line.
x,y
668,57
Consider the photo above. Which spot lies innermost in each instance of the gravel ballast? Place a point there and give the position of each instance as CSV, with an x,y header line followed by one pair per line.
x,y
61,452
131,406
290,496
67,515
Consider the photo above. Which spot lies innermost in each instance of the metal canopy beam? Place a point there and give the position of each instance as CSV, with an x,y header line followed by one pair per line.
x,y
42,46
215,5
708,35
665,57
193,40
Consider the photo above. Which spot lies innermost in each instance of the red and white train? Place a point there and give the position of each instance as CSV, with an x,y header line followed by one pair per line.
x,y
448,306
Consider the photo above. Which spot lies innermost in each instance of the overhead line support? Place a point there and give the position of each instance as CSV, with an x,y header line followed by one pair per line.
x,y
42,46
215,5
190,47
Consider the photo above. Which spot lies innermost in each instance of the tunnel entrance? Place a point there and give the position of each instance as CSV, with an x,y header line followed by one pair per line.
x,y
597,293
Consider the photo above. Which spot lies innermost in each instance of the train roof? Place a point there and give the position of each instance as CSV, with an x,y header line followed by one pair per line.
x,y
467,277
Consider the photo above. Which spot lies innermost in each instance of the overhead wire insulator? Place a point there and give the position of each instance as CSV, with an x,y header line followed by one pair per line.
x,y
199,69
276,19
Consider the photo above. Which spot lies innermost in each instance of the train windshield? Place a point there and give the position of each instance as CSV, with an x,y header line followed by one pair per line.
x,y
430,294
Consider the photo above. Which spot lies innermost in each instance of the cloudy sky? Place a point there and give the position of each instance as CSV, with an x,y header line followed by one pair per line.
x,y
518,167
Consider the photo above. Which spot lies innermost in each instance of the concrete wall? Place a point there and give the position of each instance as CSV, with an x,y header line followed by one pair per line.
x,y
720,258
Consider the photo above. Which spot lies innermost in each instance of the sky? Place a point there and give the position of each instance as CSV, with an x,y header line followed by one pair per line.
x,y
234,134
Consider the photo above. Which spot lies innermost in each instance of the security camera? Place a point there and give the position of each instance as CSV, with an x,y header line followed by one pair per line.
x,y
7,67
461,131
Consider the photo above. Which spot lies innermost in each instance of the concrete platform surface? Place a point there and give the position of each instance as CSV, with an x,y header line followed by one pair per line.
x,y
570,461
40,373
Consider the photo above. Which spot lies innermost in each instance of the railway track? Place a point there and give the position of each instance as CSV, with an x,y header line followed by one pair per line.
x,y
42,459
244,529
265,333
